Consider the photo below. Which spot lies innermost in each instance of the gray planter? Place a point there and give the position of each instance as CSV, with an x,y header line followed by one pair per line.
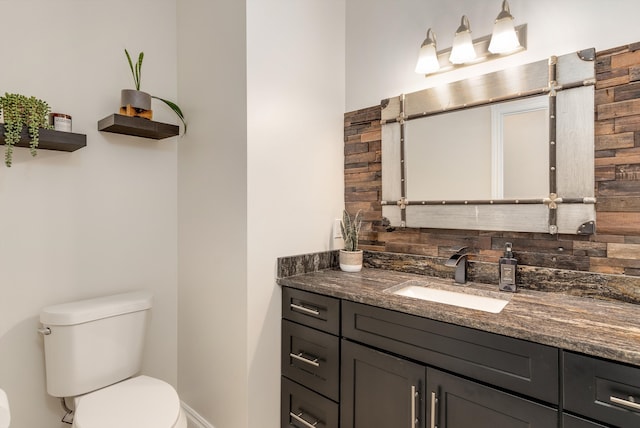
x,y
137,99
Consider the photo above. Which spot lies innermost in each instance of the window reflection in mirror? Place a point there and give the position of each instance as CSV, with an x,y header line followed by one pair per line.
x,y
520,145
483,153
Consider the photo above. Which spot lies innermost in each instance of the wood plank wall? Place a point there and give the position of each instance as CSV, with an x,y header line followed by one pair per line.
x,y
614,249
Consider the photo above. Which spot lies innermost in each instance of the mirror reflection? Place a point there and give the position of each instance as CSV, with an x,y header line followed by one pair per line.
x,y
498,151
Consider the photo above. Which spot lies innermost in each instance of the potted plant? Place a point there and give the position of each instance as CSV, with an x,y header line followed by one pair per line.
x,y
19,111
134,102
351,257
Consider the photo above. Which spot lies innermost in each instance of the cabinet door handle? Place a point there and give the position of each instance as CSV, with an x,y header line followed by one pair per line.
x,y
627,403
414,395
310,311
298,418
299,357
434,401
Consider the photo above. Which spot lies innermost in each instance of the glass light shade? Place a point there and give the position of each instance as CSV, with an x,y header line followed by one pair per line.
x,y
427,60
462,50
504,38
428,56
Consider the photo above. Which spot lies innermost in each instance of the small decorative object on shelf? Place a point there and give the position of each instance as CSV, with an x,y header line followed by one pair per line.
x,y
136,103
60,121
351,257
19,111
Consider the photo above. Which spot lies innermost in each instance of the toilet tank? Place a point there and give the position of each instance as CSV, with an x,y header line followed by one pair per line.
x,y
94,343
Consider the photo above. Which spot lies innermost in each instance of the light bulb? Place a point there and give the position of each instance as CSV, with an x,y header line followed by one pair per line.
x,y
504,38
462,50
428,56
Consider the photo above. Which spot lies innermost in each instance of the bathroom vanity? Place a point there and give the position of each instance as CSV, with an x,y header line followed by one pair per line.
x,y
355,355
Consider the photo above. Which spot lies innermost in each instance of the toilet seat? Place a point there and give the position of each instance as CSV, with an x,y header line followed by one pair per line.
x,y
139,402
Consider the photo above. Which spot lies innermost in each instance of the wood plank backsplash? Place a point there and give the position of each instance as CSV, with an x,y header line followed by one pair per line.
x,y
614,249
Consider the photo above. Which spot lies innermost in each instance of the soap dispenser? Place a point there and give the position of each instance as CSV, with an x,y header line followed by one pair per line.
x,y
507,266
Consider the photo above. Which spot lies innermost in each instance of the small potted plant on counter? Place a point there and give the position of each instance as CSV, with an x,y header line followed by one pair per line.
x,y
134,102
351,256
19,111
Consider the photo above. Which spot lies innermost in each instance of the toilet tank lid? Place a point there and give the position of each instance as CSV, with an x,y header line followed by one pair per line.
x,y
82,311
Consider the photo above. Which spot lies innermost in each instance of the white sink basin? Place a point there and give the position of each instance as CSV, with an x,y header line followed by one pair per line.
x,y
460,299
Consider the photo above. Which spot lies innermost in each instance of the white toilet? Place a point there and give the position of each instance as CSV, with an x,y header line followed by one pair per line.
x,y
93,350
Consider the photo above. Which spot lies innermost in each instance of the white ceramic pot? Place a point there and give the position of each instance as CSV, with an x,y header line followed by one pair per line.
x,y
351,261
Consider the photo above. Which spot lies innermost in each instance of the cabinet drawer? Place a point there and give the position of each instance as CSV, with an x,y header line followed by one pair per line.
x,y
303,408
314,310
603,390
513,364
311,358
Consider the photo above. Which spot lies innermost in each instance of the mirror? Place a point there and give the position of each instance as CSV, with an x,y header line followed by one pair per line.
x,y
510,151
484,148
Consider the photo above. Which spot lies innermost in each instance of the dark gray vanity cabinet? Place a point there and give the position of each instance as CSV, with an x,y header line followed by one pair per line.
x,y
351,365
456,402
602,390
380,390
310,360
526,368
406,378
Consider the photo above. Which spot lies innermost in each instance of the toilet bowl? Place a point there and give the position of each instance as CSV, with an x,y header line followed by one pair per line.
x,y
139,402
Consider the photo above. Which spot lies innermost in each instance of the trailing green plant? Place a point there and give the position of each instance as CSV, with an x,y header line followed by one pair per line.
x,y
350,228
19,111
136,72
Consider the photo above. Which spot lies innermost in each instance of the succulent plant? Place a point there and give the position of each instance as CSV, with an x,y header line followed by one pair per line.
x,y
19,111
350,228
136,72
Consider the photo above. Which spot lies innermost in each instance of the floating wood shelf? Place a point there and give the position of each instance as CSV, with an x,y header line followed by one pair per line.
x,y
50,139
137,126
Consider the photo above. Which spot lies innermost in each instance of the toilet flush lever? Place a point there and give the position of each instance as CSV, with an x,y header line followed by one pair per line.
x,y
45,331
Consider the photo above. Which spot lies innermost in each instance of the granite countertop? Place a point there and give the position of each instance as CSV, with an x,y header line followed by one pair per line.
x,y
590,326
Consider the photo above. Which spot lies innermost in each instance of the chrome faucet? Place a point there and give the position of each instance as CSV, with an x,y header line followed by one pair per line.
x,y
459,261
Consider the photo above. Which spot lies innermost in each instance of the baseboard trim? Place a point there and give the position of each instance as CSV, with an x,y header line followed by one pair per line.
x,y
193,418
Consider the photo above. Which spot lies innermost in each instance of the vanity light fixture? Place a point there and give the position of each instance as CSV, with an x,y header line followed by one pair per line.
x,y
462,50
428,56
505,40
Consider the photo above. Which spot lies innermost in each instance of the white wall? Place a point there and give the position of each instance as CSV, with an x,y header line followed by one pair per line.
x,y
295,80
99,220
383,37
212,211
260,176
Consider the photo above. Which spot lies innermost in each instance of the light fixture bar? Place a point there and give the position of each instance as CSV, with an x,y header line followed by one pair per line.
x,y
481,46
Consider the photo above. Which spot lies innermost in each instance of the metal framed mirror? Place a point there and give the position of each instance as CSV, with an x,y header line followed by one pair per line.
x,y
511,151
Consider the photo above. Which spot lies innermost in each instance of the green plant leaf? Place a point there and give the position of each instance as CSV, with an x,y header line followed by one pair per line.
x,y
175,109
20,111
139,70
135,71
350,228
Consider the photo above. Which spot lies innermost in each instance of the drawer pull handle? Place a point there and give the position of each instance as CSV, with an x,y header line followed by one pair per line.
x,y
304,309
298,418
299,357
434,401
627,403
414,395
